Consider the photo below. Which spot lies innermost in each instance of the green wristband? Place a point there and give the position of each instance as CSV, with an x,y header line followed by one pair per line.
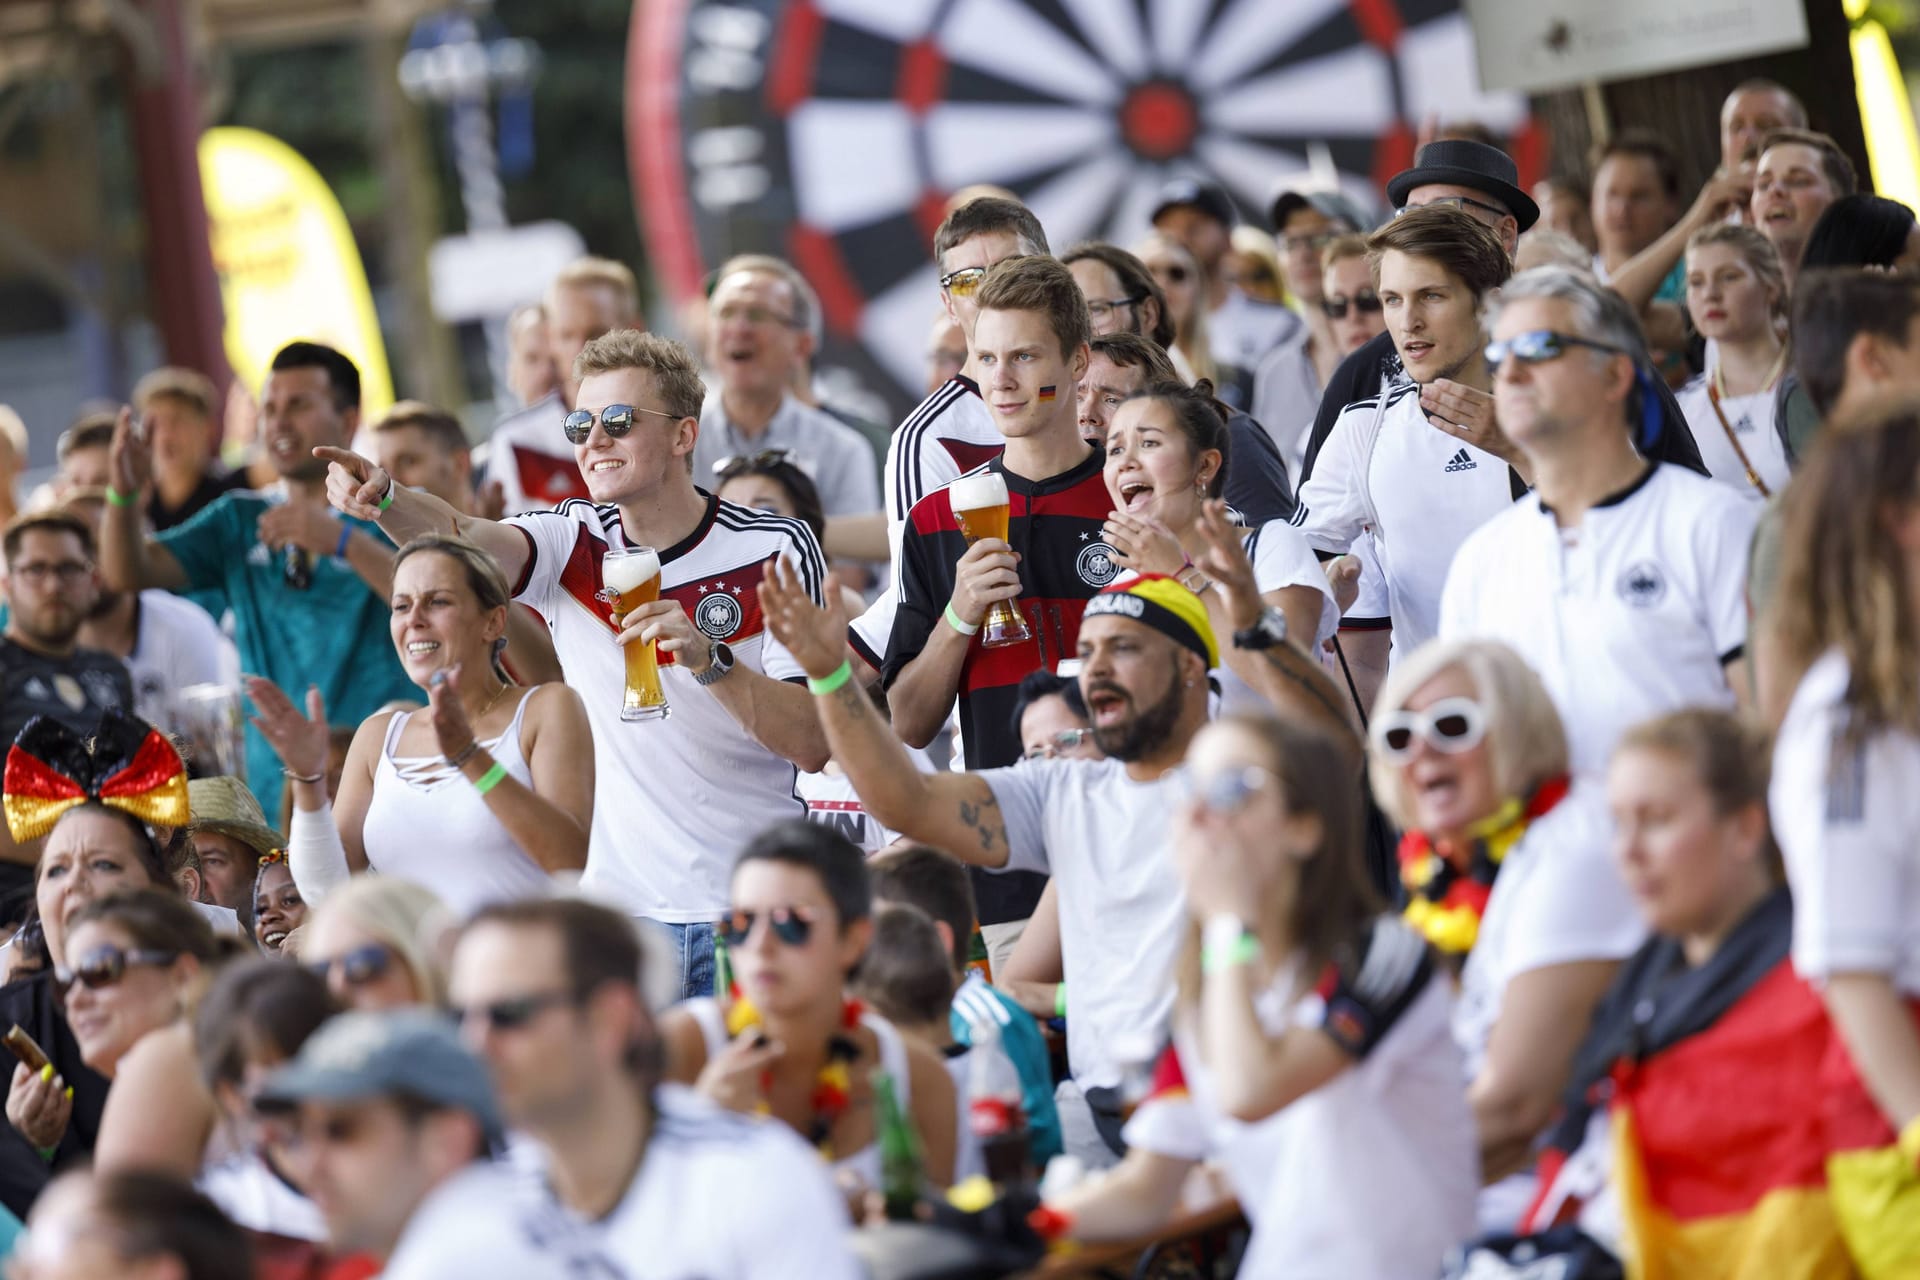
x,y
1059,999
48,1153
1243,950
387,501
490,779
119,499
828,684
960,624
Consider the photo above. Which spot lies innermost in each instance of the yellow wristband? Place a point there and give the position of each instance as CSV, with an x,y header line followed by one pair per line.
x,y
829,683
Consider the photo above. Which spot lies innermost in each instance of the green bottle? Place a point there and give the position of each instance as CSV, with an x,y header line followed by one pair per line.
x,y
902,1176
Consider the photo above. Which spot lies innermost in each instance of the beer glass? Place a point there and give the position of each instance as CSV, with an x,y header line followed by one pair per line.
x,y
982,510
631,576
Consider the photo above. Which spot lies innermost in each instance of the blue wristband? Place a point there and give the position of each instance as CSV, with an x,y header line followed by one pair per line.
x,y
346,531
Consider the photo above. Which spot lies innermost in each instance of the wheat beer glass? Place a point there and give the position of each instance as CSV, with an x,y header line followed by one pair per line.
x,y
981,508
631,576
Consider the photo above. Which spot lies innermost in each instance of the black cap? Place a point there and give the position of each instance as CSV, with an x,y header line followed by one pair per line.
x,y
1333,205
1456,162
1209,198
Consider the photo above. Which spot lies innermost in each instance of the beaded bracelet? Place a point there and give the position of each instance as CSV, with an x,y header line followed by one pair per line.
x,y
465,754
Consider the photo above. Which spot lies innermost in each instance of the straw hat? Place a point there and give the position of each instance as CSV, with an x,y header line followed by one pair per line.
x,y
224,806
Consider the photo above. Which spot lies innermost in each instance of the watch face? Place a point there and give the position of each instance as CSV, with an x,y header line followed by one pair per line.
x,y
833,133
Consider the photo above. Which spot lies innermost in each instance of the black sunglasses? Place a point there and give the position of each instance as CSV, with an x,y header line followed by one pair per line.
x,y
511,1015
1175,273
106,965
616,420
792,925
358,966
744,464
1366,302
1538,346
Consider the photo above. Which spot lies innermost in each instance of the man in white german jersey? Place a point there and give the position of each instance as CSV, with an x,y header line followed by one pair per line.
x,y
677,798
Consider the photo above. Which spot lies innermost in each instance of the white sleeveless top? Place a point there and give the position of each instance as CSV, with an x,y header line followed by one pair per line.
x,y
864,1164
426,823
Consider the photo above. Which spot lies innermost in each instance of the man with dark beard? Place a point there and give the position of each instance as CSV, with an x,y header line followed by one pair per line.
x,y
1099,827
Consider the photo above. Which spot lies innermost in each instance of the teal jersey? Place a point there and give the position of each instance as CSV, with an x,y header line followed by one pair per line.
x,y
1026,1048
332,634
1674,287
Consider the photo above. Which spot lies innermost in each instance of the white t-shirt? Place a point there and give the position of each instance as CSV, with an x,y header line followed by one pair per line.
x,y
1558,899
1845,816
1419,490
530,456
248,1192
1629,615
1752,420
1104,839
1392,1131
176,643
718,1196
1281,558
676,799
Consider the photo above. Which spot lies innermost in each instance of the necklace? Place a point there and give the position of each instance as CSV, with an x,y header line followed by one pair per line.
x,y
832,1087
1717,389
1448,884
498,694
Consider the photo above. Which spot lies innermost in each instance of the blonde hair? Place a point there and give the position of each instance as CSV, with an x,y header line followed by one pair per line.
x,y
187,387
1257,244
1843,579
1525,740
676,375
402,915
1756,251
1342,247
1730,759
14,428
590,272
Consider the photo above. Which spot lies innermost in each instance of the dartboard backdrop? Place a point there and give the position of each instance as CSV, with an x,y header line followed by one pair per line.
x,y
832,132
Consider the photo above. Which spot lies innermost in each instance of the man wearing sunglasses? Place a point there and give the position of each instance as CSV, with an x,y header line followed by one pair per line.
x,y
763,320
641,1177
1621,581
1201,216
677,798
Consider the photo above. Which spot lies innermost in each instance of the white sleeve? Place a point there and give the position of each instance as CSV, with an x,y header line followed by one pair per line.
x,y
550,537
1281,559
1372,608
1850,876
798,1224
199,647
315,855
1021,791
1723,539
1574,906
1459,599
1333,508
804,557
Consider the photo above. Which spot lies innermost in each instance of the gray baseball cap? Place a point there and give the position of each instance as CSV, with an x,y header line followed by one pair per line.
x,y
415,1052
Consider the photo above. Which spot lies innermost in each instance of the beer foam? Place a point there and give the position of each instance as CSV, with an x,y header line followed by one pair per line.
x,y
979,490
624,573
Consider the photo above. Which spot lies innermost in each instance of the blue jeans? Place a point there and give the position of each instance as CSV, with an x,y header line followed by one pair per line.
x,y
693,945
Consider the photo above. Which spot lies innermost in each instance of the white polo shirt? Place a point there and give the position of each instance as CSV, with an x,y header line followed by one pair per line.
x,y
833,455
1420,491
1630,614
675,799
1845,815
1751,419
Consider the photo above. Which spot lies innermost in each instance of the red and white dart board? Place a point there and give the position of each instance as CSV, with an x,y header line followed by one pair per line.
x,y
831,132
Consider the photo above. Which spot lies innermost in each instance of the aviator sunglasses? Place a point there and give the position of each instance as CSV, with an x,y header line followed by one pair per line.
x,y
792,925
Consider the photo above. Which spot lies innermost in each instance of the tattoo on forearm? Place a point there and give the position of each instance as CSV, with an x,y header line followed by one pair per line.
x,y
1285,660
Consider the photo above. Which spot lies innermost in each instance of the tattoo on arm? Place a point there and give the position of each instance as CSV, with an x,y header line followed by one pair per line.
x,y
1286,661
974,815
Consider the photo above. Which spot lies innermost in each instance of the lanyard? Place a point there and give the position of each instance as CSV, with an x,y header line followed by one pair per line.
x,y
1714,385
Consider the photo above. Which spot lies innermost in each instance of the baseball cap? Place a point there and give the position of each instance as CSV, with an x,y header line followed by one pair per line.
x,y
1209,198
376,1054
1334,205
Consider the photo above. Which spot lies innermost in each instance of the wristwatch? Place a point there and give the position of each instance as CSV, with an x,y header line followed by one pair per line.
x,y
1269,632
719,662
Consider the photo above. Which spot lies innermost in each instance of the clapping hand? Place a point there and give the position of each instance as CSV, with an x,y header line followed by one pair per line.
x,y
301,741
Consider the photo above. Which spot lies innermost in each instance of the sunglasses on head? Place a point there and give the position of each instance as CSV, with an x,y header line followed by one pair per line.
x,y
792,925
616,420
511,1015
356,967
104,966
1230,792
963,283
1450,726
1365,302
1539,346
744,463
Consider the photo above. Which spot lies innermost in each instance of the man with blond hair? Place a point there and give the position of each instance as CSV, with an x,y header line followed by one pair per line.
x,y
527,454
678,797
178,412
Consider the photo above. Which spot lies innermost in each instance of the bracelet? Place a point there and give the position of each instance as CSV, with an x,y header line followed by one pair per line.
x,y
831,682
346,531
1243,950
1059,999
48,1153
490,779
291,776
387,500
119,499
464,754
960,624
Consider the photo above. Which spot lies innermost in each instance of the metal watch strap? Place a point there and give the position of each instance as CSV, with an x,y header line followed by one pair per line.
x,y
720,661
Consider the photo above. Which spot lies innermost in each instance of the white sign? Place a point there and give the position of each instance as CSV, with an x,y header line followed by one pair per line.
x,y
485,274
1540,45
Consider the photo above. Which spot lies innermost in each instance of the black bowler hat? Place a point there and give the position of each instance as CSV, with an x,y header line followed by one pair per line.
x,y
1456,162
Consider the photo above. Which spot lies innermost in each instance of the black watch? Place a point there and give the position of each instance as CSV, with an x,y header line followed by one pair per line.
x,y
1270,632
720,661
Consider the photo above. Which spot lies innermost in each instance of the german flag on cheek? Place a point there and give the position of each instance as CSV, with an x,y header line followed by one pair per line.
x,y
1047,394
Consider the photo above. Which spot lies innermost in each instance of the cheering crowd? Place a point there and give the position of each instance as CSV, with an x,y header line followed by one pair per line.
x,y
1371,751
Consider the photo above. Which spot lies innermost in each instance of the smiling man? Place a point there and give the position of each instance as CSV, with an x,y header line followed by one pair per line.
x,y
1423,464
1800,173
678,797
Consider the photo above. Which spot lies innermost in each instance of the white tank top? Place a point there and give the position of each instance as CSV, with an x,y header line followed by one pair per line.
x,y
863,1164
427,824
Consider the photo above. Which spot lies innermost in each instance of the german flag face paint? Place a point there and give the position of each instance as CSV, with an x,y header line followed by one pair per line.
x,y
1047,395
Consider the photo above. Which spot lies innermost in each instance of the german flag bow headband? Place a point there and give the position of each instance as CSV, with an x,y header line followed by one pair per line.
x,y
127,764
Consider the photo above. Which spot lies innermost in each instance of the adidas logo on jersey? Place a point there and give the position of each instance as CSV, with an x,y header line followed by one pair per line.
x,y
1461,461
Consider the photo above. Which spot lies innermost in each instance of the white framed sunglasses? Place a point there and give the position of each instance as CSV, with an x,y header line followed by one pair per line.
x,y
1450,726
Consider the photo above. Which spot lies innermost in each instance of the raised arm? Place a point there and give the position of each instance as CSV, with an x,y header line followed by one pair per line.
x,y
356,486
1643,274
550,819
956,812
128,561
